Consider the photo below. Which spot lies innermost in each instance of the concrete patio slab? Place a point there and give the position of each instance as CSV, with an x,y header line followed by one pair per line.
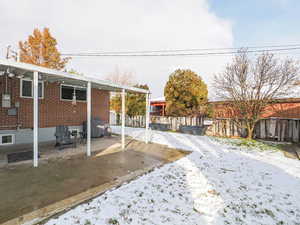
x,y
29,193
49,151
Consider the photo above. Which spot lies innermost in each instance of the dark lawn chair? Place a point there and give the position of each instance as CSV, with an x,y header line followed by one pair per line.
x,y
99,128
63,138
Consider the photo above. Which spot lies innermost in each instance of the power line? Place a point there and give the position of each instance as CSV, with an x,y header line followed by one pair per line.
x,y
185,50
181,54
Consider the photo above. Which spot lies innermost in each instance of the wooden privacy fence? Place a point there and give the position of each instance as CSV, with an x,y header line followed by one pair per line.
x,y
135,121
130,121
175,122
277,129
225,128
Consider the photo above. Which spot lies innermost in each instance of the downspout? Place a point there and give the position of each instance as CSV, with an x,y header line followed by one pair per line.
x,y
6,75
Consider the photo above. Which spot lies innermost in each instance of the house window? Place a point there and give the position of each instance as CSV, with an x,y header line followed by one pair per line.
x,y
27,89
80,94
67,93
7,139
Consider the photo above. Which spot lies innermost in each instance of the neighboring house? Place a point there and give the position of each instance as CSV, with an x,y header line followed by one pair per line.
x,y
280,108
280,120
158,106
288,108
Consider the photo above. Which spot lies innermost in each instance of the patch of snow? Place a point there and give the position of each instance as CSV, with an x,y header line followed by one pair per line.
x,y
215,184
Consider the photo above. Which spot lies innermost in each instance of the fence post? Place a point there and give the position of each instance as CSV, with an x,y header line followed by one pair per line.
x,y
263,129
228,127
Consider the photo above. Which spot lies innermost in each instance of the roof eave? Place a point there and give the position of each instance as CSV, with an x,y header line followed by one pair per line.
x,y
32,68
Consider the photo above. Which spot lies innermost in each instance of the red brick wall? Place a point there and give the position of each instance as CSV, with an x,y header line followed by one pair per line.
x,y
283,109
52,110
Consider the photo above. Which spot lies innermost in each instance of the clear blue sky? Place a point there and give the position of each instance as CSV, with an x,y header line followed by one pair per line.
x,y
261,21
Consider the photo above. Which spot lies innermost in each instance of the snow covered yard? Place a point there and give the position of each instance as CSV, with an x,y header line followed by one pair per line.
x,y
216,184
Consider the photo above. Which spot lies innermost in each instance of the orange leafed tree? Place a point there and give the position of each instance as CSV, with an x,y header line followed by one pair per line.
x,y
41,49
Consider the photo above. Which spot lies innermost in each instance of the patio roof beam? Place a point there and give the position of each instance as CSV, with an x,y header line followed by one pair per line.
x,y
51,80
123,120
147,118
35,118
89,109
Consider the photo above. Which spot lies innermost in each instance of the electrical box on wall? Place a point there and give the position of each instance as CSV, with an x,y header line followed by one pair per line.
x,y
6,101
12,112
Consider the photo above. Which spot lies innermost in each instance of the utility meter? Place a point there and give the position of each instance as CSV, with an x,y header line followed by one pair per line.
x,y
6,101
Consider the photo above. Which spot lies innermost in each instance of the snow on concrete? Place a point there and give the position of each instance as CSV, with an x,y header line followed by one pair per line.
x,y
215,184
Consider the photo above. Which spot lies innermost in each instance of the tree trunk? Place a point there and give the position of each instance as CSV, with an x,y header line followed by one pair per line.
x,y
250,132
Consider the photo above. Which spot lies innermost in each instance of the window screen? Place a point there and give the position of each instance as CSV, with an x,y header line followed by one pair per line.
x,y
67,92
80,94
26,88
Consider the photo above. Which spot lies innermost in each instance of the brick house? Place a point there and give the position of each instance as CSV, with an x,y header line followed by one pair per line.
x,y
56,107
34,100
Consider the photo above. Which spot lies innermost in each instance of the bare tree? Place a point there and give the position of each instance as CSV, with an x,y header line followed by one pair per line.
x,y
248,86
121,77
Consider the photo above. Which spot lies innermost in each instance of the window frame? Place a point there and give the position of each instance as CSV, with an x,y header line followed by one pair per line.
x,y
12,139
21,88
73,86
74,129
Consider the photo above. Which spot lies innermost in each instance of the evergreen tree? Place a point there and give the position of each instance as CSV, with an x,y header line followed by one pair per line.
x,y
185,94
40,49
135,103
